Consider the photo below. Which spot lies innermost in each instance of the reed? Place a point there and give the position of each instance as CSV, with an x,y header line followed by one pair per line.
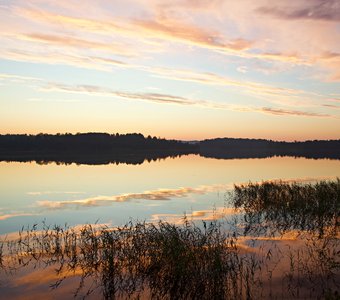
x,y
281,206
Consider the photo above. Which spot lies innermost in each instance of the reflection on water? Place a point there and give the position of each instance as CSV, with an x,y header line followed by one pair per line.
x,y
160,260
113,194
160,194
284,243
205,261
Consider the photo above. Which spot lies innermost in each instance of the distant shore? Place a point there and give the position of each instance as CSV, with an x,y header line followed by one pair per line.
x,y
103,148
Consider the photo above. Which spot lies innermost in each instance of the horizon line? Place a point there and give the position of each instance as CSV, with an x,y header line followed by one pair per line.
x,y
158,137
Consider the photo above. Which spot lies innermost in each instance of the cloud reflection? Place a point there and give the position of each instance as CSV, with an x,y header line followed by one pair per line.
x,y
197,215
13,215
157,195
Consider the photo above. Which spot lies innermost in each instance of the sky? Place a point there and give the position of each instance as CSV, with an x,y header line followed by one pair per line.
x,y
180,69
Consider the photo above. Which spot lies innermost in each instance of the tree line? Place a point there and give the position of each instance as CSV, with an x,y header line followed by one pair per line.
x,y
100,148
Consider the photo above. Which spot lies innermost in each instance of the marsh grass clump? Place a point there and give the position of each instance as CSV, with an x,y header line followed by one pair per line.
x,y
190,262
312,213
166,260
281,206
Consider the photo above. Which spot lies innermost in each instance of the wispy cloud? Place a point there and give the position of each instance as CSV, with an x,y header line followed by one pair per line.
x,y
185,75
241,56
268,92
178,100
55,100
174,30
54,58
335,99
124,35
40,193
71,41
330,60
73,22
19,78
159,28
331,106
106,92
146,30
162,24
277,111
326,10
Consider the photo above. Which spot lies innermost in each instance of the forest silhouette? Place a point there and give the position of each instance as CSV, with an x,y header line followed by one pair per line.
x,y
134,148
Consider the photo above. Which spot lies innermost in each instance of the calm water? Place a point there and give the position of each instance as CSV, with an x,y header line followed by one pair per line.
x,y
113,194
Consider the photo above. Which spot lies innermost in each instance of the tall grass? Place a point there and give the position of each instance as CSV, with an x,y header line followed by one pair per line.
x,y
168,261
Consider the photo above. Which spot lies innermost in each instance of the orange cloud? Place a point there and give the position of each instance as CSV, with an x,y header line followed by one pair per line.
x,y
92,25
53,57
174,30
162,24
71,41
161,28
331,61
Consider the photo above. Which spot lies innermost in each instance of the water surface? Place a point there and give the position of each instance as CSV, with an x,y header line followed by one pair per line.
x,y
113,194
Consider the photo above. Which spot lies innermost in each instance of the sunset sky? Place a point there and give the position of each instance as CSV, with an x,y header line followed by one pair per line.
x,y
184,69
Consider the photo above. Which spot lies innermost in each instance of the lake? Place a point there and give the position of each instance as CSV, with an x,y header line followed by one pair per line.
x,y
114,194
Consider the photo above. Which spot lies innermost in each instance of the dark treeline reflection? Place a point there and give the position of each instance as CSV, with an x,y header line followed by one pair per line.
x,y
200,261
260,148
98,158
103,148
